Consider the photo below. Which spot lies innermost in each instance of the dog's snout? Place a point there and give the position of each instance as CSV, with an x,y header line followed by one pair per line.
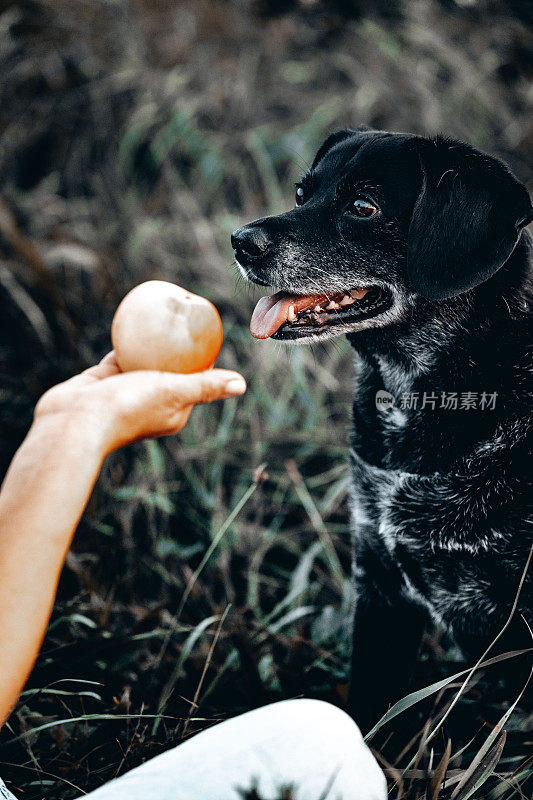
x,y
249,242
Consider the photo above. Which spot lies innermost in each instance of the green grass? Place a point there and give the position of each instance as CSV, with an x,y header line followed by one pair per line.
x,y
210,573
236,529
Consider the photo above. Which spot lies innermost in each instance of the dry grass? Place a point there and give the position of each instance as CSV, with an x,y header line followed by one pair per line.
x,y
134,138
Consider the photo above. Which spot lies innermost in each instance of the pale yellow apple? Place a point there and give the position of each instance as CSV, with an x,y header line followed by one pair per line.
x,y
161,326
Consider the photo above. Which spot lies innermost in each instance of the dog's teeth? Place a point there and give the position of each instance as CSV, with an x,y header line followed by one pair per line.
x,y
291,316
358,294
318,309
346,300
331,305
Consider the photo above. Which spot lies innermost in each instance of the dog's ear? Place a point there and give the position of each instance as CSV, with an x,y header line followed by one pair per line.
x,y
329,142
335,138
466,221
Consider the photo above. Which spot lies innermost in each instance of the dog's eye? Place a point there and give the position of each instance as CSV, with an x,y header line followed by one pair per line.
x,y
300,196
362,208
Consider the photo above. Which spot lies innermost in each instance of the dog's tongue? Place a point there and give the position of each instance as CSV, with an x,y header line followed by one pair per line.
x,y
272,311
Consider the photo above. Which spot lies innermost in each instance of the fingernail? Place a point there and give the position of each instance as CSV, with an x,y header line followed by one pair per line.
x,y
235,386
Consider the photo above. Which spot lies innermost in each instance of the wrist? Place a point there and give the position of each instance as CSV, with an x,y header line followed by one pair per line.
x,y
73,428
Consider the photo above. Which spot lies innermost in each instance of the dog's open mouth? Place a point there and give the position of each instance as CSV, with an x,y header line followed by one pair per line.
x,y
289,316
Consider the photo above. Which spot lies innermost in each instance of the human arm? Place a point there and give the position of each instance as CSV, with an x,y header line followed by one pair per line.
x,y
50,479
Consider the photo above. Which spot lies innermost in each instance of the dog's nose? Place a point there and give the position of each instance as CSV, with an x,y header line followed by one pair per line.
x,y
249,242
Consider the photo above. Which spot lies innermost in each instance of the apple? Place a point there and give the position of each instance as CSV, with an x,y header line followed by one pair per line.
x,y
161,326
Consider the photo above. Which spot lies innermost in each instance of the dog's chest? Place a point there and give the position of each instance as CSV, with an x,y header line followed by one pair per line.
x,y
373,497
371,500
387,446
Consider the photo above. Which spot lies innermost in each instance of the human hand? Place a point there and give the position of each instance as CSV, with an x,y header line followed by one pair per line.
x,y
122,407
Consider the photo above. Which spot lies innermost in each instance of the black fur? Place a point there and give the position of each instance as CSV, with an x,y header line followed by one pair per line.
x,y
441,498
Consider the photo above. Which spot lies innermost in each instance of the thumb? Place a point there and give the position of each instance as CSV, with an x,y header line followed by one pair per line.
x,y
212,384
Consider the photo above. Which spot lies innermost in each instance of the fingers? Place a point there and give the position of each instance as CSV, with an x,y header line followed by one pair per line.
x,y
110,359
108,366
145,403
196,387
125,407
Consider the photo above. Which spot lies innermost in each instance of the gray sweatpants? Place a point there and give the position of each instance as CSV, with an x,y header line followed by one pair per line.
x,y
306,744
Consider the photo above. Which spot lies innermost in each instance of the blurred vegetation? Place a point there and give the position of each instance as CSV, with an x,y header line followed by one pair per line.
x,y
211,571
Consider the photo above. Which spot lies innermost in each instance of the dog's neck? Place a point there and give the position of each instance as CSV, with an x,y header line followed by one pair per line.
x,y
397,378
446,335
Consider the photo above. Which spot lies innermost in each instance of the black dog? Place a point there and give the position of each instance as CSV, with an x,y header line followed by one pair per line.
x,y
415,249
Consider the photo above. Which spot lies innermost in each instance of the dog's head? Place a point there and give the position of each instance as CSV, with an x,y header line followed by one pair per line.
x,y
381,221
